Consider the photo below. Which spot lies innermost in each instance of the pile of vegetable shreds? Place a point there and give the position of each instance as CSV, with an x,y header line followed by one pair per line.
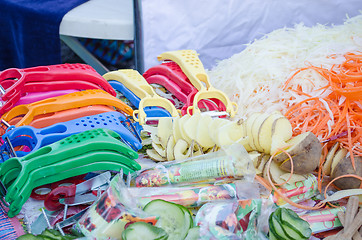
x,y
336,114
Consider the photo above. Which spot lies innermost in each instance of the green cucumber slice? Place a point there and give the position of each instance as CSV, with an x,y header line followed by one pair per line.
x,y
277,228
289,218
143,231
193,234
272,236
172,218
291,233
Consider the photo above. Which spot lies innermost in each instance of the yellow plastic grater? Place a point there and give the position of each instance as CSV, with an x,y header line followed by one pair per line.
x,y
136,83
193,68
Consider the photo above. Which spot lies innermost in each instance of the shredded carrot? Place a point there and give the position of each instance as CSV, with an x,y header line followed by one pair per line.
x,y
337,116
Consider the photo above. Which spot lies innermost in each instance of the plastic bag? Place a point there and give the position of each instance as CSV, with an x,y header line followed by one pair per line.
x,y
112,213
231,162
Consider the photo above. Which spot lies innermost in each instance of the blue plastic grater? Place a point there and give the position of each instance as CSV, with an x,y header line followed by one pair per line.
x,y
35,138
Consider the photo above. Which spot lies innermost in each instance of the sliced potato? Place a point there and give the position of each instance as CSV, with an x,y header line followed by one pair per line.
x,y
263,162
182,122
181,150
215,124
159,149
275,173
327,166
255,157
281,132
170,148
306,151
343,167
154,155
176,129
164,129
203,132
248,127
155,139
266,130
229,133
190,126
340,154
255,130
196,149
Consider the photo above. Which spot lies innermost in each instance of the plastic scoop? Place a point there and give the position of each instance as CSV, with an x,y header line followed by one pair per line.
x,y
191,65
60,72
37,138
89,162
64,102
92,140
135,82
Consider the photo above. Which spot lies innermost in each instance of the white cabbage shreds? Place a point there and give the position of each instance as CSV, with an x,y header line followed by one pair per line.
x,y
253,77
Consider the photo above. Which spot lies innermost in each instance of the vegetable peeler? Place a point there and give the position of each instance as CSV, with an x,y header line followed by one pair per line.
x,y
135,82
64,102
36,138
60,72
191,65
51,201
170,76
150,111
93,150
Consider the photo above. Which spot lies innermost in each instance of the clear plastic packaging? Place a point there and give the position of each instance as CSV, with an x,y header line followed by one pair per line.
x,y
198,194
112,213
231,162
229,220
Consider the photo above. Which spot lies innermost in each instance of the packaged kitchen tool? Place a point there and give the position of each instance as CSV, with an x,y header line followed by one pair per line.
x,y
298,191
112,213
194,70
198,194
135,82
64,102
244,219
230,162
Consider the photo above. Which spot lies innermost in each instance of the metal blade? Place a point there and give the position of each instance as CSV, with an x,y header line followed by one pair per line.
x,y
93,183
78,199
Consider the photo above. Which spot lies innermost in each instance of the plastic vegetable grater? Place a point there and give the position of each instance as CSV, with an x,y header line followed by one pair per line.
x,y
60,72
64,102
170,75
191,65
135,82
36,138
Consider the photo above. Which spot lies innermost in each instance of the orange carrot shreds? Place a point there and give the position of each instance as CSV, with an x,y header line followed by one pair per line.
x,y
333,112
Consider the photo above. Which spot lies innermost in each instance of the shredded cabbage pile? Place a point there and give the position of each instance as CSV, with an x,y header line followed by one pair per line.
x,y
253,77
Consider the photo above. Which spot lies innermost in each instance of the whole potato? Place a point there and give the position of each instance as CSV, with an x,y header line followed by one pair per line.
x,y
343,167
306,151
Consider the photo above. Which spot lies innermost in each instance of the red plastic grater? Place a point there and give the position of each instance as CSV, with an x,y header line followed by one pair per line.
x,y
60,72
170,75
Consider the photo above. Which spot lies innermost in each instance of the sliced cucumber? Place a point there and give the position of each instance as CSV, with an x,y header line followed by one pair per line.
x,y
193,234
143,231
291,233
277,228
289,218
172,218
272,236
